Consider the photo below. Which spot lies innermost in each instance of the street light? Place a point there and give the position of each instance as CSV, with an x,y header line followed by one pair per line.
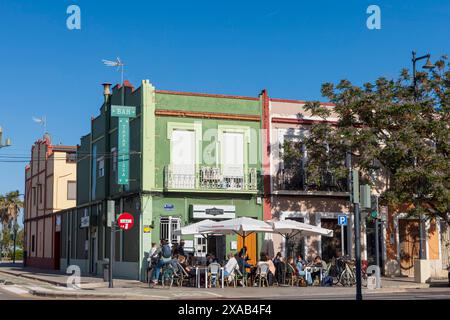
x,y
428,65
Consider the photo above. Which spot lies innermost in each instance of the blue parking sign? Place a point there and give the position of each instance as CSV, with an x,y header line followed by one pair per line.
x,y
342,220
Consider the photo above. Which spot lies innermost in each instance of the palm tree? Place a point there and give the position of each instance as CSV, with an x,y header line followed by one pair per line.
x,y
10,205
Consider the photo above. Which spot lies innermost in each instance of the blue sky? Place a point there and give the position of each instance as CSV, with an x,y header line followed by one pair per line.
x,y
226,46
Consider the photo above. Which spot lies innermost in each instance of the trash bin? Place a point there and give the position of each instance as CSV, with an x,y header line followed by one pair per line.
x,y
105,264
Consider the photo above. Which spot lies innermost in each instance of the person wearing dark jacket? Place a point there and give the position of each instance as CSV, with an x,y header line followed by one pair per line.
x,y
179,249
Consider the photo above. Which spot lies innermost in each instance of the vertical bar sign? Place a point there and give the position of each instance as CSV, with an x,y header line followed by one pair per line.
x,y
123,161
124,113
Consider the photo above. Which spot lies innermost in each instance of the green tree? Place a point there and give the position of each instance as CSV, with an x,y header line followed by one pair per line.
x,y
389,125
10,205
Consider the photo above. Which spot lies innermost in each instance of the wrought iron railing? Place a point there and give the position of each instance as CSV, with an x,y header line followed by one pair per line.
x,y
296,179
210,178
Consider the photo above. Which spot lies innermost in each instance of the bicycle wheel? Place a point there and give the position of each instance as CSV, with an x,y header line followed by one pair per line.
x,y
346,278
167,279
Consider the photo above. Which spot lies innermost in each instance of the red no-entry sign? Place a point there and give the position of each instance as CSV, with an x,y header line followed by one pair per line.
x,y
125,221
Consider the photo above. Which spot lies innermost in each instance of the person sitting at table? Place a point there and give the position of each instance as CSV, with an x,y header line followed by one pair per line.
x,y
272,269
242,260
190,270
262,260
319,265
231,265
300,265
210,258
280,270
277,258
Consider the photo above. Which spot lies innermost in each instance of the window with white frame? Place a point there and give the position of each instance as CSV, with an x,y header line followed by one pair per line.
x,y
71,190
167,227
232,154
183,159
201,246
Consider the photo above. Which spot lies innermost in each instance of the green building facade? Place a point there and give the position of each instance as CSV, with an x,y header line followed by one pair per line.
x,y
192,156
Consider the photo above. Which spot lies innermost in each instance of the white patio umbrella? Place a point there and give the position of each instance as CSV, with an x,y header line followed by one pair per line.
x,y
193,228
241,226
290,228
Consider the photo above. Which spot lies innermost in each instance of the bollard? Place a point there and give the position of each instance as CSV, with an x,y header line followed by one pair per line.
x,y
371,282
375,269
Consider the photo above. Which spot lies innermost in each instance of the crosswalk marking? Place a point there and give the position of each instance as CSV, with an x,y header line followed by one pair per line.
x,y
15,289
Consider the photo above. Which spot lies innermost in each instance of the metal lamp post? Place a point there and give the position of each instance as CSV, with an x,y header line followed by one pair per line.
x,y
353,185
428,65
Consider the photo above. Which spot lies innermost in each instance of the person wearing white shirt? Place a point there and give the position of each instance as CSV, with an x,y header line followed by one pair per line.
x,y
231,265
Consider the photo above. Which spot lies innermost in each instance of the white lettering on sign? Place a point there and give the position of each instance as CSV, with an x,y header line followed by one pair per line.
x,y
125,221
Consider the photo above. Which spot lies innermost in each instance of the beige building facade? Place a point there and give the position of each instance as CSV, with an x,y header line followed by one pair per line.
x,y
50,186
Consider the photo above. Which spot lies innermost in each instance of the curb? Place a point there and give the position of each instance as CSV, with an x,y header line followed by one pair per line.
x,y
55,283
81,295
74,295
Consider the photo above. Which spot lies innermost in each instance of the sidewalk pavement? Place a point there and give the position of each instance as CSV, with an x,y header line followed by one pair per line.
x,y
95,287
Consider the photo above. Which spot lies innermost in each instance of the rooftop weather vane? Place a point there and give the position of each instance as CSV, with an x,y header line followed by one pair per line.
x,y
118,63
42,121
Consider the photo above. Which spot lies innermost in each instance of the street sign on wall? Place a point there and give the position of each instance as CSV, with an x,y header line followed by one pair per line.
x,y
124,113
125,221
169,207
123,161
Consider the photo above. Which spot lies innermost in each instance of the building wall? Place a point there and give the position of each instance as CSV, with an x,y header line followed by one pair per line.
x,y
62,174
41,198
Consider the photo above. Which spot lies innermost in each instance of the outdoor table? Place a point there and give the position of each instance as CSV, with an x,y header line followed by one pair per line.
x,y
197,275
312,269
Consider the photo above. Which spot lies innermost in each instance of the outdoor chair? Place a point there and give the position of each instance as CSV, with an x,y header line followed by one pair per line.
x,y
231,278
213,273
261,274
291,276
280,274
245,279
180,275
235,276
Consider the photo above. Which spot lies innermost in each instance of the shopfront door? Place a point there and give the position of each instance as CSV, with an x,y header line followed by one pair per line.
x,y
251,244
409,244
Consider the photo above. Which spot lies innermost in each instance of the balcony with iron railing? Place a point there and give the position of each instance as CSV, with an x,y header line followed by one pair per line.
x,y
211,179
296,180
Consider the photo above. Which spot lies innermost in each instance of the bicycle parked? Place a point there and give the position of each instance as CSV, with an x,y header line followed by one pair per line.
x,y
343,271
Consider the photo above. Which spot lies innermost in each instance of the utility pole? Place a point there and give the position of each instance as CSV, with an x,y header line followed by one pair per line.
x,y
112,253
348,163
357,227
377,242
111,222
